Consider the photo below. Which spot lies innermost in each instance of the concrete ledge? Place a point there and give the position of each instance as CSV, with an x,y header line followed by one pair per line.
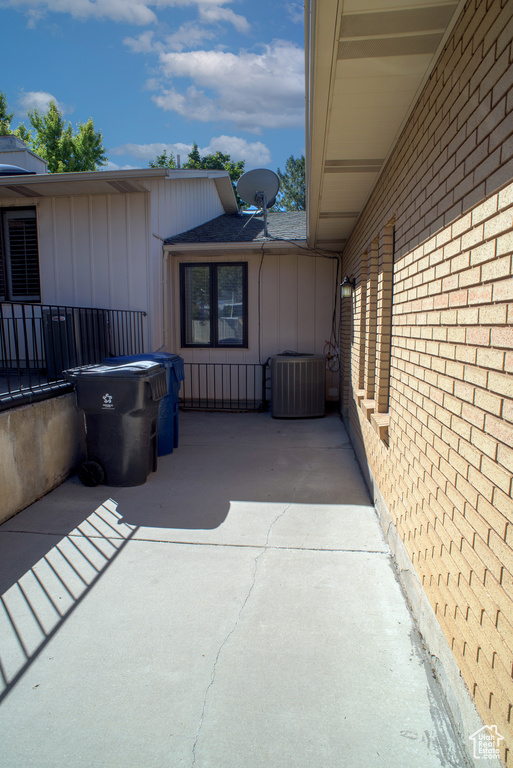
x,y
465,716
40,445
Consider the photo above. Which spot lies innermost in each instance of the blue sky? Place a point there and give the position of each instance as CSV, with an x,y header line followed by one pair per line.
x,y
161,74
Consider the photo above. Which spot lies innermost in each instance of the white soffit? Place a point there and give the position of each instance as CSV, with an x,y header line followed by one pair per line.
x,y
366,61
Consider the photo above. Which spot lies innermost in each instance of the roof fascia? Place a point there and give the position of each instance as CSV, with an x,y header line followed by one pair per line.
x,y
188,249
321,31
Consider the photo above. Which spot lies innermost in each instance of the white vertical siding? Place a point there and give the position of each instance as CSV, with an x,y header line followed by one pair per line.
x,y
182,204
296,307
105,250
93,251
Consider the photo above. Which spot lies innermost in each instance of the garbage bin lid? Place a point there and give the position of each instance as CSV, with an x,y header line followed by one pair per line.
x,y
137,369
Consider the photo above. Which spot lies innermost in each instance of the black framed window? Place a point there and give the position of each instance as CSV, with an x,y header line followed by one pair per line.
x,y
214,304
19,255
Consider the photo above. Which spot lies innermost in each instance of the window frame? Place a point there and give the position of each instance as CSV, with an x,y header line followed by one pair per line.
x,y
213,267
8,295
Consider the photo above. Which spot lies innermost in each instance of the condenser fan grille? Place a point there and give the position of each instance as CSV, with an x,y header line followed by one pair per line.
x,y
297,386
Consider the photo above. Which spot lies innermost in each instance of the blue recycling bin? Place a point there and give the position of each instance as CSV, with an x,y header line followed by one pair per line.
x,y
168,406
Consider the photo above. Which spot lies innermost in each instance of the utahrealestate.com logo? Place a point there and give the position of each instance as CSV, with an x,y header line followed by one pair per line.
x,y
485,742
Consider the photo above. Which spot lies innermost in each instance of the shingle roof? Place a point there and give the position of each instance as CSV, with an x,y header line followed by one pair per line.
x,y
241,228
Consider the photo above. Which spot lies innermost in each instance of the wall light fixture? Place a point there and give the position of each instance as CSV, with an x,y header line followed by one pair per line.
x,y
346,287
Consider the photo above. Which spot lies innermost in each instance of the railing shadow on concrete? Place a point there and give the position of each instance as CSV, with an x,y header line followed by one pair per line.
x,y
34,607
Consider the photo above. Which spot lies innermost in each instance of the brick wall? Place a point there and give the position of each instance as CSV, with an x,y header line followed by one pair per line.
x,y
432,404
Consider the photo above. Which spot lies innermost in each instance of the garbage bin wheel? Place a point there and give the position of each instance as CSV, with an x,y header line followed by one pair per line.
x,y
91,473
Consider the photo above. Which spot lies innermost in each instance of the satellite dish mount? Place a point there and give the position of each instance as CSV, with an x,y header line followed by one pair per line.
x,y
259,187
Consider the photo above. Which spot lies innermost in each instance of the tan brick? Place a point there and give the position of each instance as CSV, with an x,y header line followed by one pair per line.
x,y
496,269
457,298
488,402
502,383
459,463
470,277
451,363
456,335
493,315
507,410
448,317
481,294
468,316
486,210
464,391
482,253
498,224
470,453
504,504
505,457
505,244
491,358
466,354
478,336
477,376
505,196
499,429
461,262
505,628
502,337
497,475
485,443
454,369
460,427
442,300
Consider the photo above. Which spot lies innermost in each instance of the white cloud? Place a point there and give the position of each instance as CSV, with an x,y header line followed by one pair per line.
x,y
252,90
110,166
129,11
254,153
295,12
214,13
189,35
40,100
144,43
147,152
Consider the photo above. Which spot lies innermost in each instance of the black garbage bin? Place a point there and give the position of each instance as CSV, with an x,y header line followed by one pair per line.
x,y
120,403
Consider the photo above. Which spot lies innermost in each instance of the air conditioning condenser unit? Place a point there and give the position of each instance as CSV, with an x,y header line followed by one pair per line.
x,y
298,386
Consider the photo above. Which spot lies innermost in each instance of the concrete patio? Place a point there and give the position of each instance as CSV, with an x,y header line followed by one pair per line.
x,y
240,609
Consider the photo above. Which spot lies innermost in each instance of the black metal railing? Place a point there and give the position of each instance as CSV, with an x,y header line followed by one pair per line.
x,y
38,342
224,387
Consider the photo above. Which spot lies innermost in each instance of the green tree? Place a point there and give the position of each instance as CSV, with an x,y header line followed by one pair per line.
x,y
292,195
22,133
163,161
5,117
63,149
194,158
217,162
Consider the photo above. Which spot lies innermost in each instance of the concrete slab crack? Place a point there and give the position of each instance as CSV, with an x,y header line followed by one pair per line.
x,y
241,610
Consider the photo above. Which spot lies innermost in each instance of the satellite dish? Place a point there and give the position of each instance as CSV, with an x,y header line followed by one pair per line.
x,y
259,187
254,185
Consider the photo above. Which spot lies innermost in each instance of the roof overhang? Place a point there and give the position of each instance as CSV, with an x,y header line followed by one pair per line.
x,y
366,63
216,249
109,182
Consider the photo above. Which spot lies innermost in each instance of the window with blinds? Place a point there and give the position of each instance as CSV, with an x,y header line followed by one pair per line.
x,y
19,256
